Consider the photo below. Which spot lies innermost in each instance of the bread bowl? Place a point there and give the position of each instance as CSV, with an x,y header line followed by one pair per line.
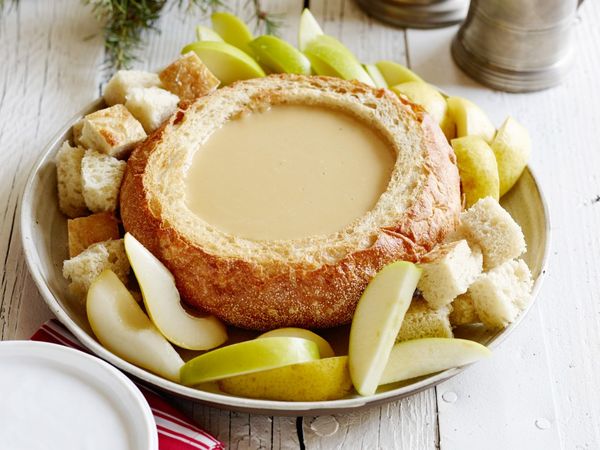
x,y
312,281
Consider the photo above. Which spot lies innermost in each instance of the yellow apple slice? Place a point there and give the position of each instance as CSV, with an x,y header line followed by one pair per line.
x,y
375,75
207,34
477,168
512,147
418,357
278,56
226,62
122,327
325,349
163,303
233,30
395,73
308,29
330,57
470,119
323,379
376,323
248,357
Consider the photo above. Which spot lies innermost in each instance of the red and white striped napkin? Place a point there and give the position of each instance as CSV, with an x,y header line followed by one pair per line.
x,y
175,431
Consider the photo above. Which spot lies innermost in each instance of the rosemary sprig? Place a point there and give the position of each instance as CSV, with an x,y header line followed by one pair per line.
x,y
265,22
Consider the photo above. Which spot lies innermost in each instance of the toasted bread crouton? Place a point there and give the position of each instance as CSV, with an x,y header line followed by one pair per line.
x,y
68,174
124,81
492,228
448,271
500,294
151,106
101,175
463,311
420,321
189,78
83,269
85,231
76,130
113,131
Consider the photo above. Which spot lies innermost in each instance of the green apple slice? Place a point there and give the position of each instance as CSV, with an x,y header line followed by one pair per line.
x,y
248,357
376,323
313,381
477,168
207,34
308,29
375,75
512,147
233,30
395,73
325,349
163,303
226,62
330,57
277,56
418,357
122,327
470,119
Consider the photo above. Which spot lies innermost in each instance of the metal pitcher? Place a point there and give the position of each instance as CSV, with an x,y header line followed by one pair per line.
x,y
417,13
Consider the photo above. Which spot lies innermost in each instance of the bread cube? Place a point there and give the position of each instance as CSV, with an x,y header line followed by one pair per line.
x,y
113,131
85,231
124,81
189,78
151,106
68,174
421,321
101,175
76,131
500,294
448,272
463,311
492,228
83,269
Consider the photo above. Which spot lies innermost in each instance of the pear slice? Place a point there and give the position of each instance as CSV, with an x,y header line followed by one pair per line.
x,y
248,357
233,30
163,303
477,168
330,57
313,381
122,327
375,75
395,73
418,357
308,29
207,34
277,56
470,119
376,323
325,349
512,147
226,62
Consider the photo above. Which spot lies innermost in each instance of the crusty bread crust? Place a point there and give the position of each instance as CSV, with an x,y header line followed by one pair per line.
x,y
312,282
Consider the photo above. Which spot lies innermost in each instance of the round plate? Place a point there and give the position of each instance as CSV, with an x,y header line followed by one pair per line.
x,y
63,398
44,234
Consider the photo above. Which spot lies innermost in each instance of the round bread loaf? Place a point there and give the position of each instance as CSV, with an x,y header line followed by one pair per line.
x,y
312,282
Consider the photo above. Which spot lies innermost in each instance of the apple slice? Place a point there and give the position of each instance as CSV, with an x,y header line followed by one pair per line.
x,y
233,30
308,29
313,381
278,56
330,57
207,34
163,303
226,62
418,357
512,147
325,349
470,119
375,75
376,323
425,95
477,168
395,73
248,357
122,327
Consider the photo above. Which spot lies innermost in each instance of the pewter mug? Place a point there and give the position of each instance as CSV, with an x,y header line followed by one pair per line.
x,y
417,13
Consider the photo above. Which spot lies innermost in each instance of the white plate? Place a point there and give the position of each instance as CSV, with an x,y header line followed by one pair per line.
x,y
54,397
44,234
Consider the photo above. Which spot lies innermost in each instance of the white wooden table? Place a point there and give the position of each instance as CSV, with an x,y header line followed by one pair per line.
x,y
540,390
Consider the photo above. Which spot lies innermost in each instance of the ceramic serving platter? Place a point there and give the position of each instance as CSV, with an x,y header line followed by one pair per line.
x,y
44,234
